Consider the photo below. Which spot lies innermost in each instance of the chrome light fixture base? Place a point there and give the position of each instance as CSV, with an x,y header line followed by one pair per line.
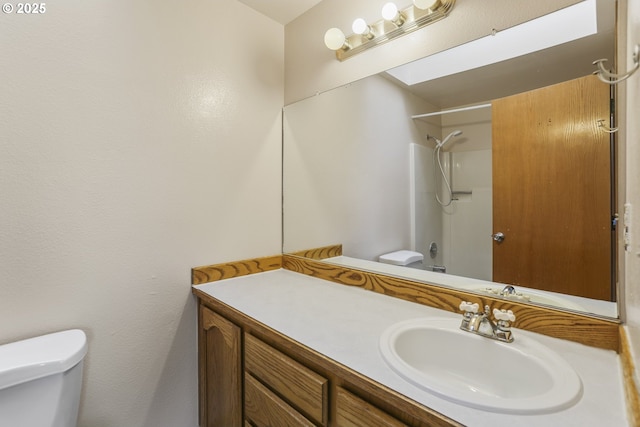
x,y
384,31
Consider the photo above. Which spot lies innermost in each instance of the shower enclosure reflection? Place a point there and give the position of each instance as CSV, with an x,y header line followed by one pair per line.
x,y
460,220
438,169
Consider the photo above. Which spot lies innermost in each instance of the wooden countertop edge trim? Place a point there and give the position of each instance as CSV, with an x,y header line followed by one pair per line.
x,y
632,396
321,363
584,329
215,272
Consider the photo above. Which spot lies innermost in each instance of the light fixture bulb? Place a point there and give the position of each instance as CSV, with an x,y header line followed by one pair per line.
x,y
390,11
360,26
334,39
425,4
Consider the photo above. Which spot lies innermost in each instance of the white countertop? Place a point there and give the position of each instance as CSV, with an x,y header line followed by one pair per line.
x,y
345,323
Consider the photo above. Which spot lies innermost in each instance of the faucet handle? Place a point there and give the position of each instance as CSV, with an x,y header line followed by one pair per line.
x,y
467,307
504,315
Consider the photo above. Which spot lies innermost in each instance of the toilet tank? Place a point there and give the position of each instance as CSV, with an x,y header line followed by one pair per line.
x,y
41,380
403,257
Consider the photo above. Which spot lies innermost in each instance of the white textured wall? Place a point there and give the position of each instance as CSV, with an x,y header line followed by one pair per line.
x,y
311,67
138,139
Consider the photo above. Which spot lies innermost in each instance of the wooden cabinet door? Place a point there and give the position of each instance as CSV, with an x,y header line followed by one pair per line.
x,y
552,189
351,411
220,371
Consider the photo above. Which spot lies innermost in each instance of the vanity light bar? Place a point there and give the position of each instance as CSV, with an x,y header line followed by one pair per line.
x,y
403,22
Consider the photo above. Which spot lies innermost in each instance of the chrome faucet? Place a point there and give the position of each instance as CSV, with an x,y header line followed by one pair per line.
x,y
480,323
437,268
508,290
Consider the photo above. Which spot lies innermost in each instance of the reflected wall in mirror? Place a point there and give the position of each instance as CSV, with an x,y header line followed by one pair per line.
x,y
361,172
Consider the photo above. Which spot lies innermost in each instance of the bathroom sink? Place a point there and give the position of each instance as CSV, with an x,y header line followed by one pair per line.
x,y
522,377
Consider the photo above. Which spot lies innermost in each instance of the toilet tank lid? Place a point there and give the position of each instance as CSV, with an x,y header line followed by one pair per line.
x,y
403,257
38,357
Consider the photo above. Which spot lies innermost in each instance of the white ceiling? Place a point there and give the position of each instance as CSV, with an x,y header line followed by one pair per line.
x,y
541,68
282,11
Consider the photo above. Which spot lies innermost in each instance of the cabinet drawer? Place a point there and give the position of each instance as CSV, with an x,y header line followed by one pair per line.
x,y
298,385
351,411
263,408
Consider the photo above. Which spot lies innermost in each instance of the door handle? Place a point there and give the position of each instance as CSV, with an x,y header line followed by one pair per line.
x,y
498,237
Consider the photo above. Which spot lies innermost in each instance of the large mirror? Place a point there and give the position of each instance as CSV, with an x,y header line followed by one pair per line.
x,y
403,173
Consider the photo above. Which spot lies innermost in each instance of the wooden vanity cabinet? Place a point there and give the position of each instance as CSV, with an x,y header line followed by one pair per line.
x,y
253,376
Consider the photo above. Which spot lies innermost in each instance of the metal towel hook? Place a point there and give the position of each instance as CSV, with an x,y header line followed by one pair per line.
x,y
611,78
605,128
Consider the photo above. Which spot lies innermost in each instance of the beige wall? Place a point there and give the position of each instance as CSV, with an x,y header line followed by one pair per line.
x,y
632,177
138,139
311,68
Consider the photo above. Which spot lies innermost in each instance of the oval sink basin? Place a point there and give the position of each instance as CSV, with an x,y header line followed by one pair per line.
x,y
522,377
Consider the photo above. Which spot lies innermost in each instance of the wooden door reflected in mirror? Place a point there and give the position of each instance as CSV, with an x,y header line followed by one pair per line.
x,y
552,193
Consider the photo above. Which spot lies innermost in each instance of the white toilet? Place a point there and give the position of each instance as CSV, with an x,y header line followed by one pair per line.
x,y
41,380
404,258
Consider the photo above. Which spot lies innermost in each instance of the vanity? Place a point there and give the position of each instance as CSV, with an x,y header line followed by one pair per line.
x,y
283,348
